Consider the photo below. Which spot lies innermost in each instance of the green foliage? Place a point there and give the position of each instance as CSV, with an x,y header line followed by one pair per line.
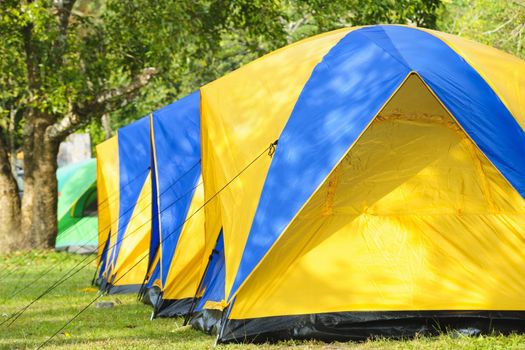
x,y
108,42
499,23
326,15
59,60
241,32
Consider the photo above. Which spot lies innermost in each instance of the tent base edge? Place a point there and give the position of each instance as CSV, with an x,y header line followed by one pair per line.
x,y
360,326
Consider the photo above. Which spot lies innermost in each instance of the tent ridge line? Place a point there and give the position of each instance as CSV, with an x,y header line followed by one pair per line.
x,y
401,62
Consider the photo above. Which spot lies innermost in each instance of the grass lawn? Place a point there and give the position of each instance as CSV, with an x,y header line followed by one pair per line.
x,y
127,325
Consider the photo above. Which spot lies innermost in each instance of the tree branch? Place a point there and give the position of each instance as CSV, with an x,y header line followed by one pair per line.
x,y
138,82
500,26
64,12
11,132
519,3
5,164
64,8
103,103
30,61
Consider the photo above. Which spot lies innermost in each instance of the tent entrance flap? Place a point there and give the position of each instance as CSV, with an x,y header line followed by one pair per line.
x,y
415,218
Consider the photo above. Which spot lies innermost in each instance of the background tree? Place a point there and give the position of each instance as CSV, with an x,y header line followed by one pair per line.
x,y
500,24
66,63
62,67
235,45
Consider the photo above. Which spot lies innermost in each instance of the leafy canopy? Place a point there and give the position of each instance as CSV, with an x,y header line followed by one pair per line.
x,y
62,56
500,24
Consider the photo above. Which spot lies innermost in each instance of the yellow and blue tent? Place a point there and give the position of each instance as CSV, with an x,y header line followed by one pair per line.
x,y
177,256
393,203
128,229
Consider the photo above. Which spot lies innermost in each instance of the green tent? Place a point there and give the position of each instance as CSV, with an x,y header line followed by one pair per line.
x,y
77,207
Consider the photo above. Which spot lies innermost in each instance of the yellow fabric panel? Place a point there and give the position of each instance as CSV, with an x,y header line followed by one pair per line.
x,y
215,305
503,72
414,218
187,265
242,114
136,241
108,188
213,221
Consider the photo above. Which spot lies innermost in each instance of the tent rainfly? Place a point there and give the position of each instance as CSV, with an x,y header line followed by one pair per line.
x,y
394,201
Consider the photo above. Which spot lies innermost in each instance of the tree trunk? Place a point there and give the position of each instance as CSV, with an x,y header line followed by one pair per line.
x,y
11,135
45,197
29,170
106,125
10,233
39,203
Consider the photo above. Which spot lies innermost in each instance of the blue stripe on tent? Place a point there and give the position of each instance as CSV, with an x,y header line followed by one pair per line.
x,y
177,147
214,277
344,92
134,161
